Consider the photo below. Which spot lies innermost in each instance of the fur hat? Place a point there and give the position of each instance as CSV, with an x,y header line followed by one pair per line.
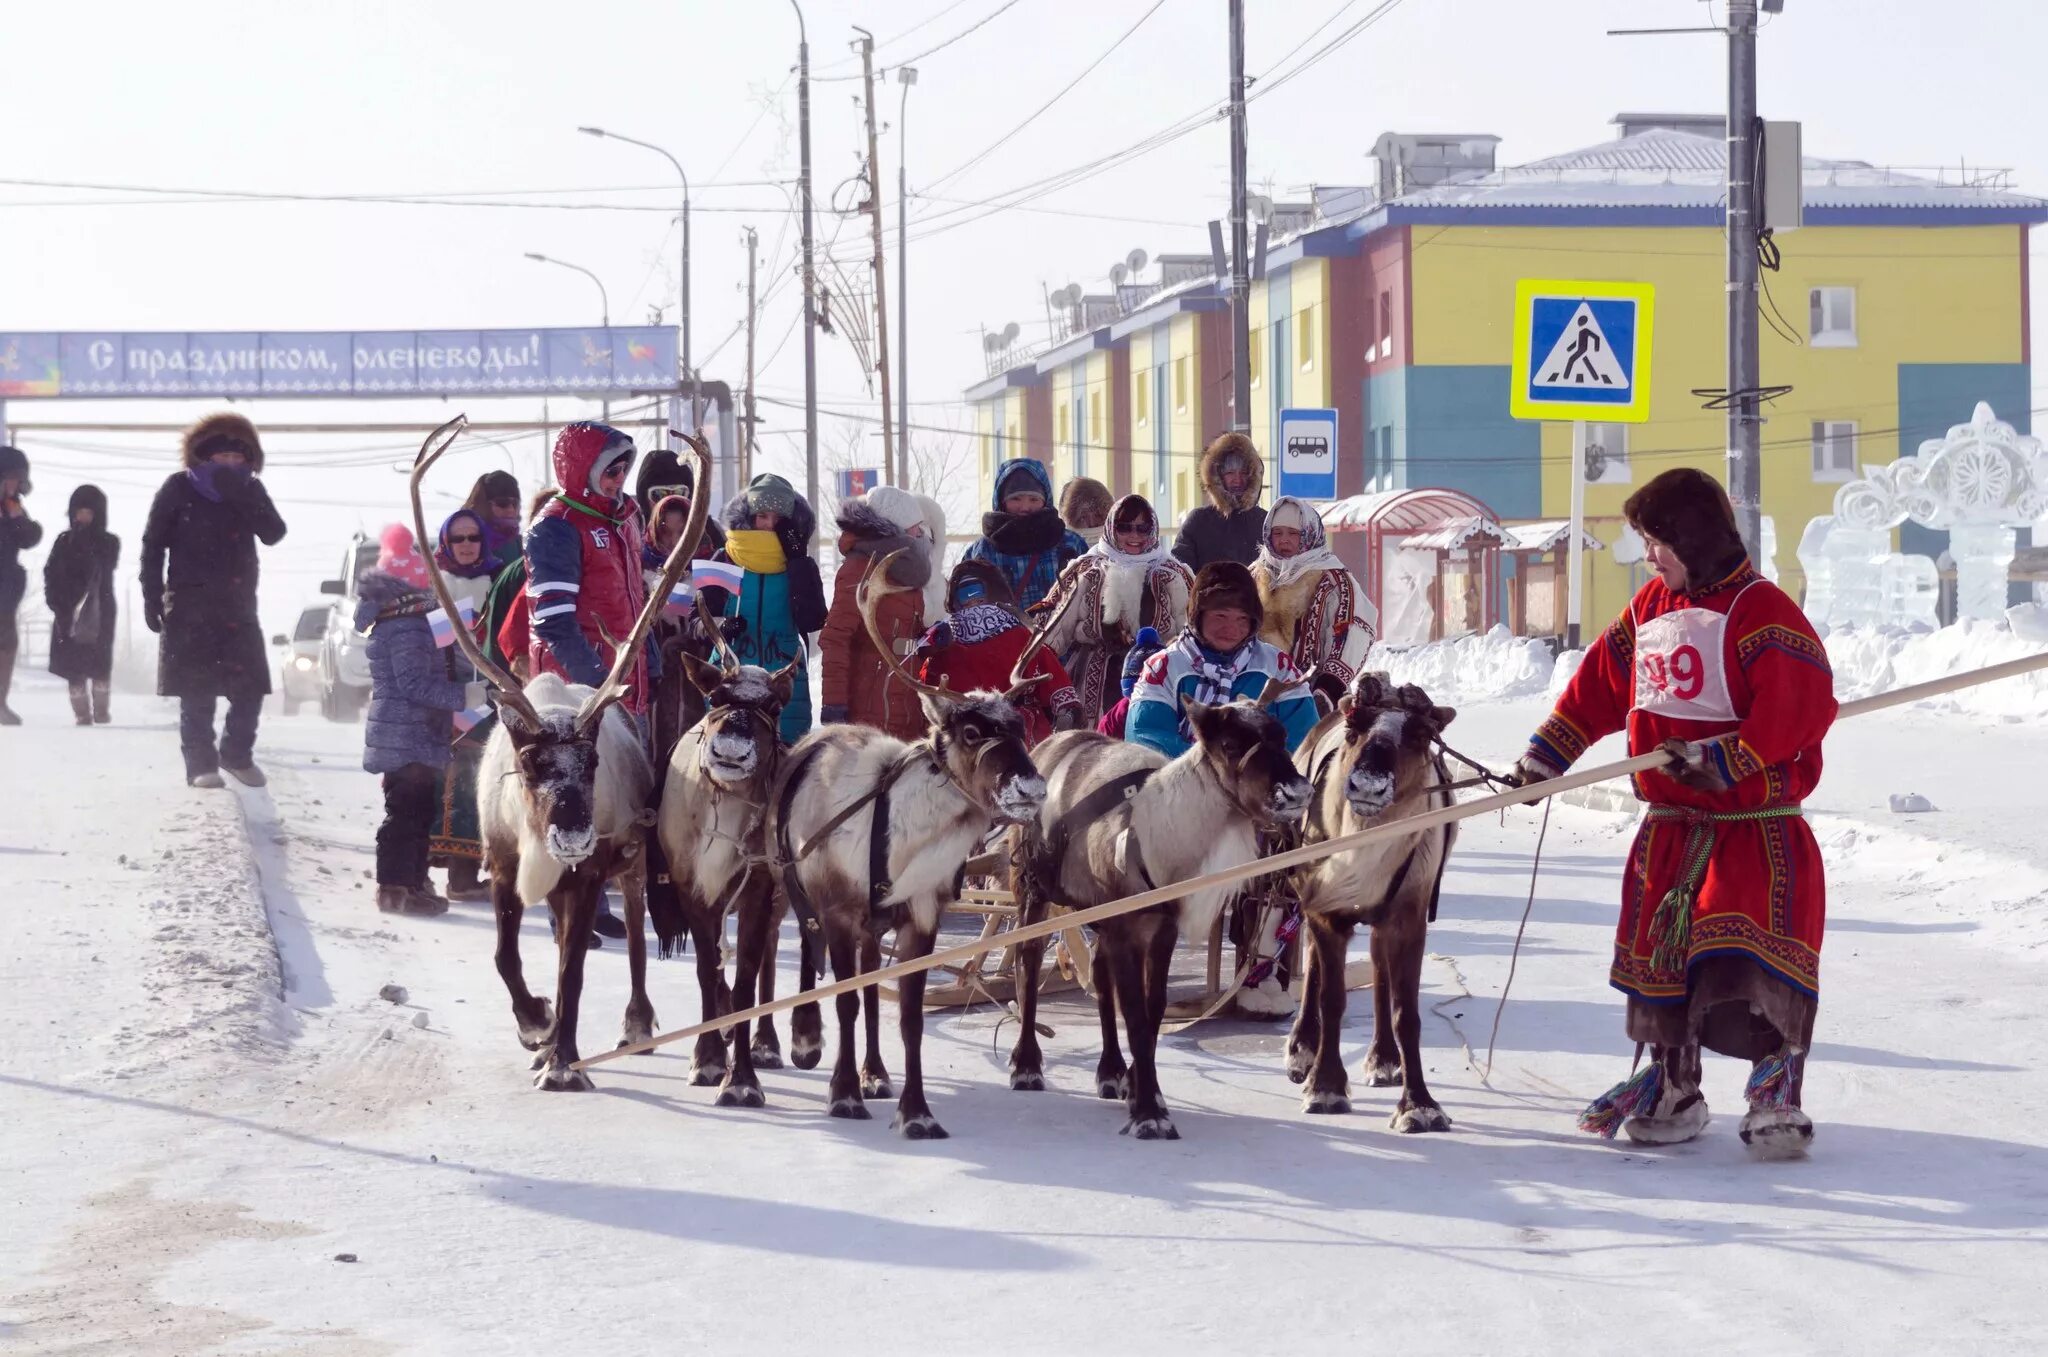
x,y
898,506
1084,503
1214,459
398,556
220,433
1225,584
1687,510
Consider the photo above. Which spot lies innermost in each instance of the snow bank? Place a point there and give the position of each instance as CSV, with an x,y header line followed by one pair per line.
x,y
1471,668
1871,660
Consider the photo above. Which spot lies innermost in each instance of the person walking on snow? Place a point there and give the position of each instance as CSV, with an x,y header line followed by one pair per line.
x,y
781,598
857,685
407,725
1128,581
18,532
1022,535
1724,900
1314,611
78,584
463,558
199,594
1228,527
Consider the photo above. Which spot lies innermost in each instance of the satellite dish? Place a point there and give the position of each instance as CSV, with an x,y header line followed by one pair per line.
x,y
1010,333
1116,275
1136,261
1070,295
990,343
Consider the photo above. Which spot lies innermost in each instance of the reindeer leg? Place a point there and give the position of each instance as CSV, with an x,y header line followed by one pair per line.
x,y
874,1075
844,1093
707,1058
1027,1062
756,935
639,1025
575,905
1306,1037
767,1046
1141,971
914,1117
530,1013
1328,1090
806,1023
1112,1076
1383,1060
1417,1110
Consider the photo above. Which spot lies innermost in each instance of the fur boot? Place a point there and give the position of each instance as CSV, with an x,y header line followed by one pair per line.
x,y
1775,1128
101,714
81,703
7,716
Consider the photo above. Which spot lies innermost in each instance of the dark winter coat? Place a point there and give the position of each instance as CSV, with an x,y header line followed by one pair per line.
x,y
1030,549
16,536
412,699
1227,528
80,567
199,575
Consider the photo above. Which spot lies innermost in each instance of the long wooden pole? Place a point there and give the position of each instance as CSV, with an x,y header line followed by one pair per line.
x,y
1295,857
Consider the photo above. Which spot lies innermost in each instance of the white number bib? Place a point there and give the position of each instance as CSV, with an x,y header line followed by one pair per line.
x,y
1679,668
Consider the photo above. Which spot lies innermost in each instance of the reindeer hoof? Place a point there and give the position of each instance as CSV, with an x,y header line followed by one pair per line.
x,y
1300,1060
1411,1120
563,1079
850,1109
1113,1088
1027,1081
1382,1073
534,1033
765,1057
1150,1128
1325,1102
706,1076
632,1038
740,1095
923,1126
805,1052
876,1086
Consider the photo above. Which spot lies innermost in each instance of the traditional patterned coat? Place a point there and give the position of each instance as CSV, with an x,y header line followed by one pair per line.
x,y
1737,667
1094,634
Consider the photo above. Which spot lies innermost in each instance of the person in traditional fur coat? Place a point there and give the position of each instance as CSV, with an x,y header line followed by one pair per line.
x,y
1227,528
857,686
975,648
1314,609
1022,534
1084,507
1724,900
1126,581
78,584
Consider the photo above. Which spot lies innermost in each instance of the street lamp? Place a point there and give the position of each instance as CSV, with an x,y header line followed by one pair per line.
x,y
603,297
689,372
907,75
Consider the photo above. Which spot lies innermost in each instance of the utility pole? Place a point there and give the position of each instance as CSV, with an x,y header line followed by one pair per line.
x,y
803,119
1240,278
1745,430
747,444
907,76
890,471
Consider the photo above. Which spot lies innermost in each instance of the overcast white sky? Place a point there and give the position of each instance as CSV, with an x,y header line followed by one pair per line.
x,y
439,97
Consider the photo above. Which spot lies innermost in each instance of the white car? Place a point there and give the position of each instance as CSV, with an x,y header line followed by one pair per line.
x,y
298,675
344,651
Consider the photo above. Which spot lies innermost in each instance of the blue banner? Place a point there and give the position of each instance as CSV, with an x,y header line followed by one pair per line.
x,y
313,363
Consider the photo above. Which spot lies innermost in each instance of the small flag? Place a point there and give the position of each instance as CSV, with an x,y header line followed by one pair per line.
x,y
716,575
682,600
466,721
444,633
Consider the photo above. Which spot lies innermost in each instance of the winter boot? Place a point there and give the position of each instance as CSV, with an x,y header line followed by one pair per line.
x,y
208,781
252,776
608,924
81,704
7,716
406,900
1775,1127
1660,1104
463,882
433,898
100,714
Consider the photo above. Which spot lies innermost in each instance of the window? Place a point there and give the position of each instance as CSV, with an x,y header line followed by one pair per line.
x,y
1831,317
312,624
1095,417
1305,337
1834,450
1607,454
1257,356
1386,324
1372,343
1080,438
1180,385
1144,395
1064,434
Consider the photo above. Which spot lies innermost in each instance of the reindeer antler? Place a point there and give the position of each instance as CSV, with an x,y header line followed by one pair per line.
x,y
866,594
1020,683
727,661
614,686
510,694
1270,693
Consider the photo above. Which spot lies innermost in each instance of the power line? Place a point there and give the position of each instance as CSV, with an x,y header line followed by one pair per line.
x,y
939,47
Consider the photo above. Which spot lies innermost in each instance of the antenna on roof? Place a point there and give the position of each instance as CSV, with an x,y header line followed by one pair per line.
x,y
1136,261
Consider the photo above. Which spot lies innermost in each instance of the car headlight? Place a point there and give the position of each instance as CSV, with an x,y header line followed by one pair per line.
x,y
301,662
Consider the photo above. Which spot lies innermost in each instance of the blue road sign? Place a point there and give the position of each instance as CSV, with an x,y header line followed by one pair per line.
x,y
1308,453
1582,350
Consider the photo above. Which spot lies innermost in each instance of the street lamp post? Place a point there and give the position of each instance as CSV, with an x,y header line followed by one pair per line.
x,y
907,75
689,370
603,298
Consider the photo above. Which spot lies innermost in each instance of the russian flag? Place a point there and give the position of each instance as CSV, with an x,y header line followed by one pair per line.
x,y
444,631
682,600
466,721
716,575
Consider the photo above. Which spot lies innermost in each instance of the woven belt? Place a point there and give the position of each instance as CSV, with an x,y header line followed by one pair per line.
x,y
1671,926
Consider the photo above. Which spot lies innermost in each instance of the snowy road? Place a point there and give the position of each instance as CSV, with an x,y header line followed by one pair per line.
x,y
184,1156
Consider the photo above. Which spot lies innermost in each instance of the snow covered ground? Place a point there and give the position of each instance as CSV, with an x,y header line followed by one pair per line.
x,y
207,1106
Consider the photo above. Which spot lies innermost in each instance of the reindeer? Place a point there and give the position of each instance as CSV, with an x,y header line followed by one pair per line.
x,y
1120,818
713,806
871,834
561,794
1373,761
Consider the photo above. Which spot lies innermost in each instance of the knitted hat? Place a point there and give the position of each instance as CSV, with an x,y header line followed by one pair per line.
x,y
770,494
398,556
1688,511
1225,584
898,506
1144,648
1020,481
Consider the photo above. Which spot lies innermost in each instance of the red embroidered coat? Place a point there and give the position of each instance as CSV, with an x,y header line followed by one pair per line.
x,y
1738,666
977,648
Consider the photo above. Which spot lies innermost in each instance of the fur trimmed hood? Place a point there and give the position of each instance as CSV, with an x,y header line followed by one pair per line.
x,y
1687,510
1232,445
1084,498
218,431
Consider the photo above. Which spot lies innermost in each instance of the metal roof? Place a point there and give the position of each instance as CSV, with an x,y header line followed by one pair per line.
x,y
1402,511
1546,535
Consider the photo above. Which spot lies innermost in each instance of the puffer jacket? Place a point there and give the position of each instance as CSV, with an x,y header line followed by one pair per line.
x,y
1227,528
853,673
412,699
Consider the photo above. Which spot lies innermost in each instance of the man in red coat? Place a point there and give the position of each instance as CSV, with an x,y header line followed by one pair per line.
x,y
1724,899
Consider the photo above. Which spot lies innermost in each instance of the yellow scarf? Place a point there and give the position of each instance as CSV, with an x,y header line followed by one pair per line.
x,y
757,550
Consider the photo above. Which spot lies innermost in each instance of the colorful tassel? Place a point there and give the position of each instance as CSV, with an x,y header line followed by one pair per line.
x,y
1770,1083
1635,1096
1672,929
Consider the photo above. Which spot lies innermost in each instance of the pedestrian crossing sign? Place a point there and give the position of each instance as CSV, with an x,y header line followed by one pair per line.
x,y
1582,350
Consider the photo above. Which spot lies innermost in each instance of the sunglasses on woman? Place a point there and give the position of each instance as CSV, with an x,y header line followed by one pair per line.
x,y
470,538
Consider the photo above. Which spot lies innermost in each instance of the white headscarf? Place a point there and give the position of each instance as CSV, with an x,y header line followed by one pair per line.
x,y
1123,583
1315,555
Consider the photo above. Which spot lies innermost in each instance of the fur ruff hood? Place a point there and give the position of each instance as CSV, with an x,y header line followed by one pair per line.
x,y
1227,445
1084,498
221,428
864,530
